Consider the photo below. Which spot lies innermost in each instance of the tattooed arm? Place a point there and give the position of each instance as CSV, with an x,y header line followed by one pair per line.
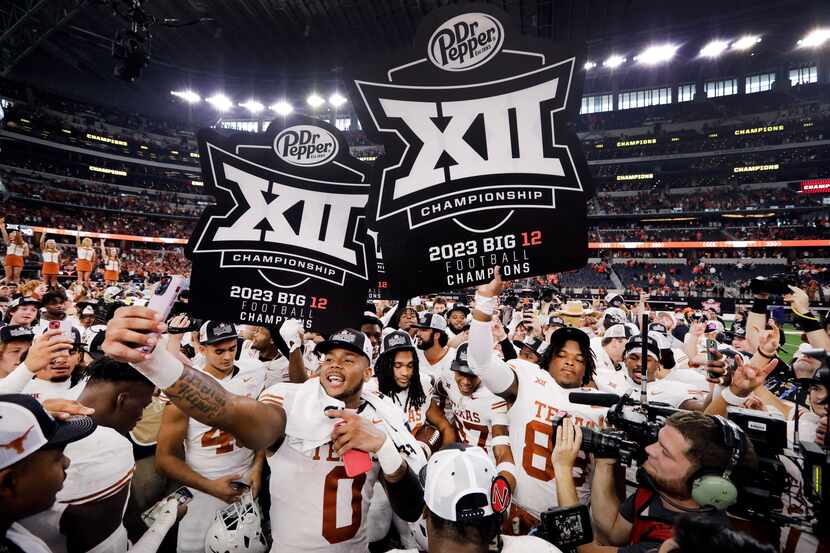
x,y
255,425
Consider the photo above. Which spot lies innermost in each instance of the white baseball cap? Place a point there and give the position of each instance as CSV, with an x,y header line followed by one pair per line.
x,y
27,428
461,484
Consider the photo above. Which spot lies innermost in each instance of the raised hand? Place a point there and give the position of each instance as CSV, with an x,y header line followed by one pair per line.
x,y
747,378
494,287
130,328
798,300
50,347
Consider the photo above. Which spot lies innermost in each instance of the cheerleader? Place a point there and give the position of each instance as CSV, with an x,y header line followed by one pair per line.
x,y
86,258
112,266
17,250
51,261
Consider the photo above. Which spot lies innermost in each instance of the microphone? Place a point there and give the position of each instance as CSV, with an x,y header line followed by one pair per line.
x,y
590,398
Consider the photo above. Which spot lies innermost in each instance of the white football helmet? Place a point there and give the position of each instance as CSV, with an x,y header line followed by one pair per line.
x,y
237,528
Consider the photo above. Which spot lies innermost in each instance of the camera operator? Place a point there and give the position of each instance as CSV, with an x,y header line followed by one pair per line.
x,y
688,470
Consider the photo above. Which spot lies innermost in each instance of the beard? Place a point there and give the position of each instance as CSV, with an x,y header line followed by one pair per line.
x,y
426,345
59,379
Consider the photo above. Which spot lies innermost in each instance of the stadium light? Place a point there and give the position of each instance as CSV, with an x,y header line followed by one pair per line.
x,y
253,106
589,65
815,38
714,48
336,100
315,100
220,102
187,95
746,42
613,61
282,107
654,55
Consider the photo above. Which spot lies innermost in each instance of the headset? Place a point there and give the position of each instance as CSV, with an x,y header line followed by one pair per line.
x,y
711,487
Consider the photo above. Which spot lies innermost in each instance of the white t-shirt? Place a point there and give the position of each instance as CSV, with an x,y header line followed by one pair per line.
x,y
609,376
666,390
101,465
24,539
42,390
437,370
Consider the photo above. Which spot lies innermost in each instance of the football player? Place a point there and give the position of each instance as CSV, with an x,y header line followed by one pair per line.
x,y
216,468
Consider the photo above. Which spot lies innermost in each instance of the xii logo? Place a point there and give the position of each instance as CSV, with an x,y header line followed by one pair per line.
x,y
488,136
279,221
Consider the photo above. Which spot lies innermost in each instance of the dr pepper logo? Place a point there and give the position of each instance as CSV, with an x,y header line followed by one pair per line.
x,y
305,146
465,42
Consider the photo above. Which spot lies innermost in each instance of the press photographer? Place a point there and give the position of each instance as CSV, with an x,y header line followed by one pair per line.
x,y
689,469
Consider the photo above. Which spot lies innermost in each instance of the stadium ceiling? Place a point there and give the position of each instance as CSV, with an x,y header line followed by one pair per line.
x,y
254,46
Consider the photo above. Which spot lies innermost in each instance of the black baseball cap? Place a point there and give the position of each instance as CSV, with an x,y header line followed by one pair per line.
x,y
636,343
371,319
554,320
458,307
534,344
433,321
349,339
28,428
660,328
16,332
23,300
461,364
397,340
213,332
94,348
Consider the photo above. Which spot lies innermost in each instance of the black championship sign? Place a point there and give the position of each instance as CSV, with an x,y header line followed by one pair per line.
x,y
287,237
482,166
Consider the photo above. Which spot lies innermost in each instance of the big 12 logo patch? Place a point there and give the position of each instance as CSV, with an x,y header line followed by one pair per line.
x,y
482,166
287,237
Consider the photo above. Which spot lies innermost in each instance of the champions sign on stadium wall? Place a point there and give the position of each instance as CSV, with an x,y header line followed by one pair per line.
x,y
287,238
480,165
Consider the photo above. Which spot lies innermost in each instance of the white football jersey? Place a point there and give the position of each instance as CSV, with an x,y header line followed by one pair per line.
x,y
415,416
315,506
42,390
213,453
609,376
540,399
25,540
437,370
101,465
669,391
473,415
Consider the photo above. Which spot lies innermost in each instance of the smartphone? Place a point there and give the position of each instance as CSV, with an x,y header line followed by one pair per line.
x,y
712,356
65,327
164,298
183,496
240,485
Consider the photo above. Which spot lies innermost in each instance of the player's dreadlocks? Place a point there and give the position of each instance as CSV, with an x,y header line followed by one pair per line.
x,y
385,371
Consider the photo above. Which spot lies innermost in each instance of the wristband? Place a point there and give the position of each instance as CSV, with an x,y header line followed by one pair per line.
x,y
759,306
500,440
806,322
731,398
485,304
162,368
509,468
389,458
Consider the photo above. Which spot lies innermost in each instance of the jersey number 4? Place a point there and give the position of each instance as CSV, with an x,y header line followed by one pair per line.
x,y
219,439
